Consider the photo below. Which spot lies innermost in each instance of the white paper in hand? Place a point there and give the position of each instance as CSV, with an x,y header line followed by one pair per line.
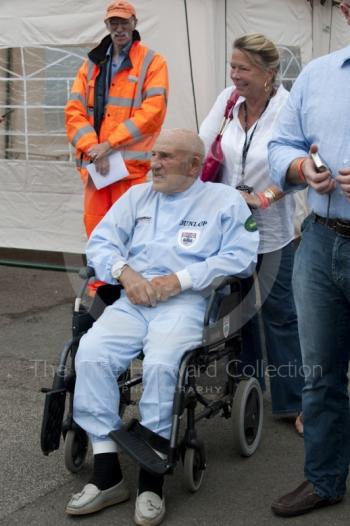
x,y
117,171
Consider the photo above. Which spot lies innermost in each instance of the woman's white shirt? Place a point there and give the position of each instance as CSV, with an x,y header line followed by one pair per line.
x,y
276,222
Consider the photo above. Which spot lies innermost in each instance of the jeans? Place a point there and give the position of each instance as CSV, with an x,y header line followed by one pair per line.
x,y
321,284
279,317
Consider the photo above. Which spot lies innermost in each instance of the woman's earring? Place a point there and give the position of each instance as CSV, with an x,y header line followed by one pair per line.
x,y
267,86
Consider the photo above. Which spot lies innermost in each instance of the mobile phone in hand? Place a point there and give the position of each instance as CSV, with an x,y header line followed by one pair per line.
x,y
320,165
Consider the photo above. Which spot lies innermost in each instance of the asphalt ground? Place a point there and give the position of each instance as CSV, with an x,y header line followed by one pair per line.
x,y
35,318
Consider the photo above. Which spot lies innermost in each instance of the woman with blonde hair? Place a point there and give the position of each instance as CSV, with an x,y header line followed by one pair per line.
x,y
255,64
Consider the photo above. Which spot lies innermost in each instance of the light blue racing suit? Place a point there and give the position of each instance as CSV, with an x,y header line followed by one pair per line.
x,y
202,233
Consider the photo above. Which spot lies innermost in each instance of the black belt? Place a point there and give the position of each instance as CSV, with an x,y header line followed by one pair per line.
x,y
340,226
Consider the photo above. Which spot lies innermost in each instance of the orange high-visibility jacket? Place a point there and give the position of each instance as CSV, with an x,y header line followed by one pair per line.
x,y
130,118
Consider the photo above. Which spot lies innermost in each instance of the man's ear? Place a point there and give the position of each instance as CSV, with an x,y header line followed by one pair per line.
x,y
196,165
135,22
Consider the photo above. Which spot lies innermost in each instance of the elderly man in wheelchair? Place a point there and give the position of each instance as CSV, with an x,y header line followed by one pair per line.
x,y
164,242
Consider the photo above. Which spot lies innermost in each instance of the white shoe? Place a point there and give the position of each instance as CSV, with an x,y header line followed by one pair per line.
x,y
92,499
149,509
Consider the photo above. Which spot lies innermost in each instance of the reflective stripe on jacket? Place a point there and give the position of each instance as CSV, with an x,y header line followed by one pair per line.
x,y
132,116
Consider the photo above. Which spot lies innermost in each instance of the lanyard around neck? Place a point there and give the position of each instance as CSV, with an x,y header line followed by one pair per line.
x,y
248,141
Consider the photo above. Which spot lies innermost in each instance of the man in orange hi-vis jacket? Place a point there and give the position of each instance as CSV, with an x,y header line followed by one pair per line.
x,y
117,103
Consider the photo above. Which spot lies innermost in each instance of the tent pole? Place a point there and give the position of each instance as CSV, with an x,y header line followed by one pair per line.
x,y
191,68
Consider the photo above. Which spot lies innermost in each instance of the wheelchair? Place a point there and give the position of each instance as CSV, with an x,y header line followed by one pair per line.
x,y
239,398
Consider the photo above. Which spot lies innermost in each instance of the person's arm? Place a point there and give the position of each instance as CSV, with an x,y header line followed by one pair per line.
x,y
289,147
289,151
304,170
108,248
148,118
109,241
80,132
263,199
238,251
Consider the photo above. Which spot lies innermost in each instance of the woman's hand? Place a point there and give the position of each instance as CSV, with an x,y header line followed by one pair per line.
x,y
252,200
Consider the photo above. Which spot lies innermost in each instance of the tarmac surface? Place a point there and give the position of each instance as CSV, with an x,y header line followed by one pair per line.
x,y
35,318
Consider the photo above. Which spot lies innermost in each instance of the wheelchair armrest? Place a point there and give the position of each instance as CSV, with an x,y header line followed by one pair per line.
x,y
217,285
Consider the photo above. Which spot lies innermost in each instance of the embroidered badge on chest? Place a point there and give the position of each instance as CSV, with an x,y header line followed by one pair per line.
x,y
188,237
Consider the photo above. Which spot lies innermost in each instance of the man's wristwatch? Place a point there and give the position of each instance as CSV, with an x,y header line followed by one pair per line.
x,y
117,269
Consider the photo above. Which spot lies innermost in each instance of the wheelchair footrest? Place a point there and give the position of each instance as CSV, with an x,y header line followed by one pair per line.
x,y
52,420
140,443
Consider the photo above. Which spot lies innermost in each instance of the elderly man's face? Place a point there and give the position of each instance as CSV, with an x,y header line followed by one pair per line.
x,y
121,30
172,168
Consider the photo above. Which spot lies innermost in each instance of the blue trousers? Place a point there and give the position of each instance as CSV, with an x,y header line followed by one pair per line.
x,y
164,333
284,368
322,293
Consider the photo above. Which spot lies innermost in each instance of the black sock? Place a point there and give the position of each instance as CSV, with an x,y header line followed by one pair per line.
x,y
107,471
148,482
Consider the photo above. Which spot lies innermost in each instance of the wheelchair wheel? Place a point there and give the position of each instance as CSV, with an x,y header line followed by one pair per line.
x,y
75,449
193,474
247,416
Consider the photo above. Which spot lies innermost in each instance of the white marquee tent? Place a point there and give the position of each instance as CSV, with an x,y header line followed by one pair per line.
x,y
42,43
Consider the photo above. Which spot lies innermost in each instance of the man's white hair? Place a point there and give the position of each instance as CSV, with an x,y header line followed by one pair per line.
x,y
182,139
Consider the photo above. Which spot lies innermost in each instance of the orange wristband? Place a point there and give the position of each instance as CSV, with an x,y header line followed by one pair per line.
x,y
301,174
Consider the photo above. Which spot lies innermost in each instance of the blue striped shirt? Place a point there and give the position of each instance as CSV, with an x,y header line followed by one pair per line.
x,y
318,111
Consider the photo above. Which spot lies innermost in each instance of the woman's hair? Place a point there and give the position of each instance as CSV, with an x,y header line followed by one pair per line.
x,y
261,51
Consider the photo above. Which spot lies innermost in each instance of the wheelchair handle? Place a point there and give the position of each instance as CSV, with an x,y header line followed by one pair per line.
x,y
85,273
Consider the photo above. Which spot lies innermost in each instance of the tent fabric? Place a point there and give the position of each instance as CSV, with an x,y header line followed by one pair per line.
x,y
37,206
42,44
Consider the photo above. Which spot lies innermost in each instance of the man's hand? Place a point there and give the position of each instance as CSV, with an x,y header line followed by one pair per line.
x,y
344,181
166,286
323,183
99,155
138,289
